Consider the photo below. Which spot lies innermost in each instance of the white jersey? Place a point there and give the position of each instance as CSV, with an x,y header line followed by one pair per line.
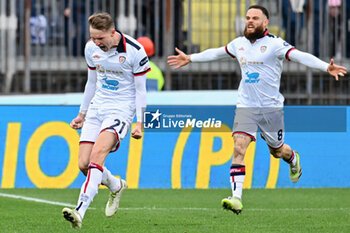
x,y
116,70
261,66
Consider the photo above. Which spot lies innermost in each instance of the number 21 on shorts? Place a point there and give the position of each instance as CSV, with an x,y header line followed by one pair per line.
x,y
119,125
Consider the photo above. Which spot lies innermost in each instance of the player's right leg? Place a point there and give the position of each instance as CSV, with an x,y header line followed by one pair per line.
x,y
87,193
73,217
85,149
237,173
89,189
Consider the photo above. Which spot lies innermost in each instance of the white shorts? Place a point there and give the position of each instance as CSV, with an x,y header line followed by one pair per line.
x,y
112,120
271,124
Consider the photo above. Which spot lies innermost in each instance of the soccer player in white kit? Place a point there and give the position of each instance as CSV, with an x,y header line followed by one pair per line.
x,y
259,102
115,90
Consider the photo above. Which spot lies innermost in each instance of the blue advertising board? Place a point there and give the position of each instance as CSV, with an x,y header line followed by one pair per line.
x,y
182,147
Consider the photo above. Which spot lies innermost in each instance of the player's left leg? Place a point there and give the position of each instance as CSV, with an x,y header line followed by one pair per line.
x,y
292,158
89,133
118,123
103,145
272,127
116,187
114,198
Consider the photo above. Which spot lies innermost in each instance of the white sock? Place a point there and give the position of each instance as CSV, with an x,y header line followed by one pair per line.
x,y
292,160
89,188
237,173
112,182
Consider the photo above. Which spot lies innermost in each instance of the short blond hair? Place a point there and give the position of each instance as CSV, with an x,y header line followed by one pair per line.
x,y
101,21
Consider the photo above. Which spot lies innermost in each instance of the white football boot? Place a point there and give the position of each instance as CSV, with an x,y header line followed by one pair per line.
x,y
114,198
73,217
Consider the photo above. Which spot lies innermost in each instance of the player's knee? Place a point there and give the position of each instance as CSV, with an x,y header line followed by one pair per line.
x,y
276,153
98,154
83,167
239,150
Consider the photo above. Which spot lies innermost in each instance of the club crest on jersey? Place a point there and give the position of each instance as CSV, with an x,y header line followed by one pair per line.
x,y
263,48
122,59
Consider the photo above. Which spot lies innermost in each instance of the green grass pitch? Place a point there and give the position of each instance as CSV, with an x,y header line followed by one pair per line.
x,y
184,210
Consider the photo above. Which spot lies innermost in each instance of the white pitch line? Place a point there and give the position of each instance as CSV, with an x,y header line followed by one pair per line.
x,y
39,200
248,209
161,208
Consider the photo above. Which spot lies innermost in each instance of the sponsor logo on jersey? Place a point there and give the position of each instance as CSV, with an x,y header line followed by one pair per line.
x,y
143,61
104,71
263,48
255,62
252,77
241,49
110,84
122,59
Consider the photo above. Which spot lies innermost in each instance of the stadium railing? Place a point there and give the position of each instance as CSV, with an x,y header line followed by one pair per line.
x,y
42,42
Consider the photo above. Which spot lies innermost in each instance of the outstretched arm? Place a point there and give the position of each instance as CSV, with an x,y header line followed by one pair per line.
x,y
183,59
314,62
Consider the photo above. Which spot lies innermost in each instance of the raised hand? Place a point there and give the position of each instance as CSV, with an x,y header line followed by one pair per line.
x,y
179,60
336,70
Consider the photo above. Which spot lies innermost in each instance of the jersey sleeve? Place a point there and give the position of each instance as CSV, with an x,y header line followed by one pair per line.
x,y
230,48
308,60
88,55
141,63
209,55
283,49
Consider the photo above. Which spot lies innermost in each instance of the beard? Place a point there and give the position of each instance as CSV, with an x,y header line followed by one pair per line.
x,y
253,36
